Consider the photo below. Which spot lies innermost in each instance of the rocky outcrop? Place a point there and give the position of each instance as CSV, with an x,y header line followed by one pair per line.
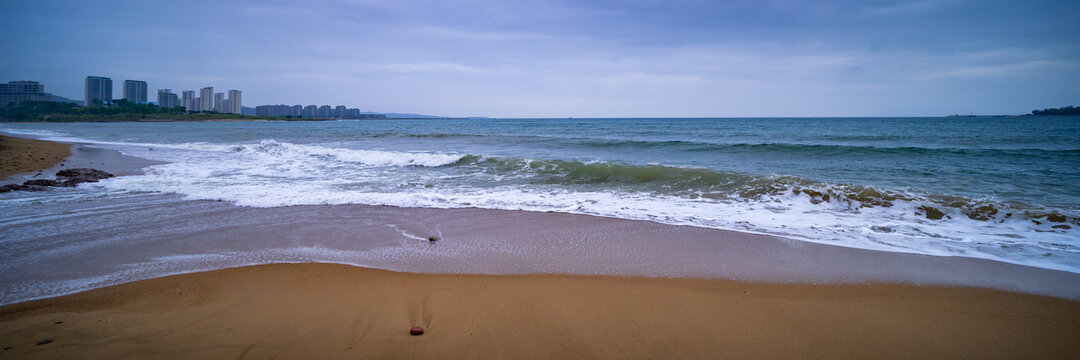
x,y
72,177
66,178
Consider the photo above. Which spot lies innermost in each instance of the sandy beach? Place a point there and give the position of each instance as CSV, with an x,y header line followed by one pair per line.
x,y
338,311
792,299
19,155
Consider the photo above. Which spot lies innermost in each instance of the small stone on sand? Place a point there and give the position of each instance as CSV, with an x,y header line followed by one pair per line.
x,y
416,330
432,238
44,341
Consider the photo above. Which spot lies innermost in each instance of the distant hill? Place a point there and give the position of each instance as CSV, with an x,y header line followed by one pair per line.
x,y
58,98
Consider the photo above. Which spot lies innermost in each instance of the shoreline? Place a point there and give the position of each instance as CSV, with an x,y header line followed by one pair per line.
x,y
330,310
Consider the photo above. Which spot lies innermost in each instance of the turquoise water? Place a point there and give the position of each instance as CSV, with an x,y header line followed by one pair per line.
x,y
997,188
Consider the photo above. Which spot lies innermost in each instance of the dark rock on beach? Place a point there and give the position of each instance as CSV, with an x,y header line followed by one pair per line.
x,y
41,182
44,341
66,177
416,330
74,177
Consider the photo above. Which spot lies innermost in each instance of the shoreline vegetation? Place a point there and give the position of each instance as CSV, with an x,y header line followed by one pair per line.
x,y
332,310
1062,111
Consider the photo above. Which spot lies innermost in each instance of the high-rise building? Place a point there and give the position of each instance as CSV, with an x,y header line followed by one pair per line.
x,y
219,102
297,110
325,111
206,98
135,91
15,92
339,111
311,111
166,98
188,101
98,88
235,106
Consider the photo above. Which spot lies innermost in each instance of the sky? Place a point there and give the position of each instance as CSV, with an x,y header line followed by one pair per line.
x,y
558,58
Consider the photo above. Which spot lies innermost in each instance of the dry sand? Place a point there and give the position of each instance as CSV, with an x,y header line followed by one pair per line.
x,y
339,311
18,155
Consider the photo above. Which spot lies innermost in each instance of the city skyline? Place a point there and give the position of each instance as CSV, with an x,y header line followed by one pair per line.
x,y
99,88
581,59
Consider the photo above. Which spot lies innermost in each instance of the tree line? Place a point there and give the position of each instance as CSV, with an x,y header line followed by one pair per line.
x,y
1068,110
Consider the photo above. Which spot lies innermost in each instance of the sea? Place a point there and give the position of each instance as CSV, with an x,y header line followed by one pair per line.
x,y
999,188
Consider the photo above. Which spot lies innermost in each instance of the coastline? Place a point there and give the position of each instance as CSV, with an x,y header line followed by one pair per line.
x,y
561,285
335,311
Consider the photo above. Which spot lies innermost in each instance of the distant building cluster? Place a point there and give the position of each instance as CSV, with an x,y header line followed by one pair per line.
x,y
15,92
100,89
313,111
206,101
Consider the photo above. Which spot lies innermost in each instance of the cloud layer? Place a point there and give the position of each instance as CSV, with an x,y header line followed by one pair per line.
x,y
572,58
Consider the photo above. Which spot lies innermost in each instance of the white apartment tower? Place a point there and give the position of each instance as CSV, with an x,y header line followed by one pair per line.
x,y
206,98
135,91
219,102
97,88
166,98
234,102
188,100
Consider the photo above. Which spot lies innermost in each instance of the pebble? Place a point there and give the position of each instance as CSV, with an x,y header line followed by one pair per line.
x,y
416,330
44,341
432,238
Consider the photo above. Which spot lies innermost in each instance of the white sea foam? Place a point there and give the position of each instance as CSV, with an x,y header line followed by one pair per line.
x,y
365,157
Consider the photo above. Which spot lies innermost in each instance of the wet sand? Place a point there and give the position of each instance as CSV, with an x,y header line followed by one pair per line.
x,y
19,155
339,311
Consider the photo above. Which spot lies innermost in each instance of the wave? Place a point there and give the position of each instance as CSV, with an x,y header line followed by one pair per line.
x,y
704,183
364,157
32,132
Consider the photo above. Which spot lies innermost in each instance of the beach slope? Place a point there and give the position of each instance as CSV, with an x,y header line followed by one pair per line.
x,y
338,311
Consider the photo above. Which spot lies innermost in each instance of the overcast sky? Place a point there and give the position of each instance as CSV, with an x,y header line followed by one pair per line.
x,y
567,58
